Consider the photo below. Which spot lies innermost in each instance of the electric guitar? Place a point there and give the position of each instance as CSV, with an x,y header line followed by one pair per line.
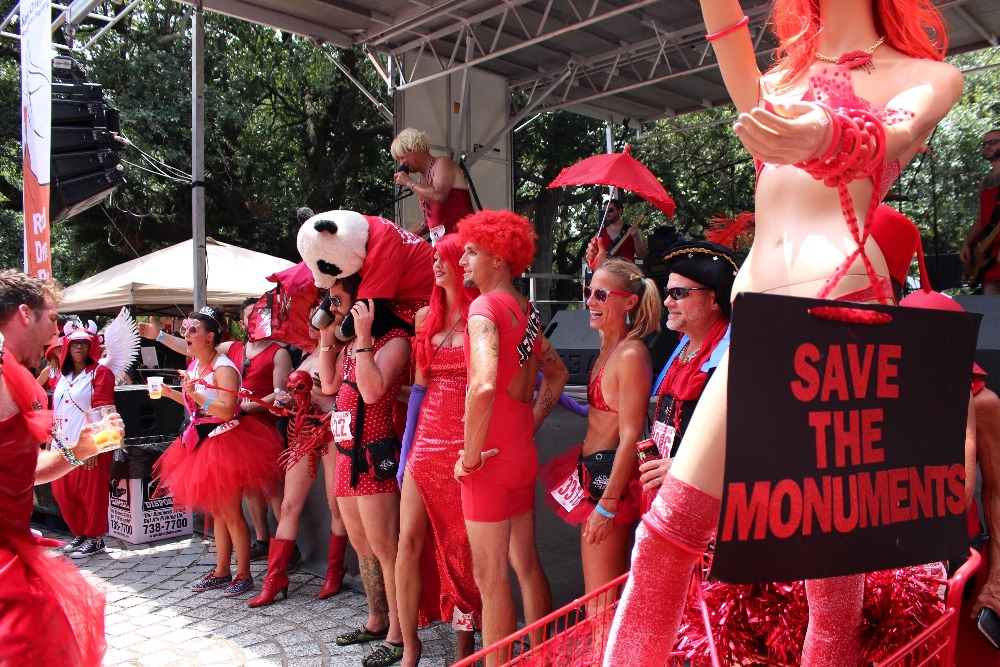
x,y
617,246
982,258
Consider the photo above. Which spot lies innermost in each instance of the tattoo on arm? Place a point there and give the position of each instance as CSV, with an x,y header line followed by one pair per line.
x,y
371,577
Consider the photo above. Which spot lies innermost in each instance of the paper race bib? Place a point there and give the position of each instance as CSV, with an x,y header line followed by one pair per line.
x,y
340,426
569,494
437,231
462,622
663,436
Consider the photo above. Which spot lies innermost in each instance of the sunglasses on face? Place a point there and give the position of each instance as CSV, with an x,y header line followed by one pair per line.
x,y
189,327
678,293
601,295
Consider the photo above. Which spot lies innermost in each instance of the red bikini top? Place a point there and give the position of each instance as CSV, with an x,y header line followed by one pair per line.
x,y
595,395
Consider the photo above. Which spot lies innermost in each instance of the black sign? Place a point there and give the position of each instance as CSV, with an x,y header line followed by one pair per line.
x,y
845,449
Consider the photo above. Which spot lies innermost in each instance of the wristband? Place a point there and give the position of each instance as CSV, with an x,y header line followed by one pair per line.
x,y
364,349
206,404
469,471
159,336
731,29
325,348
59,444
603,512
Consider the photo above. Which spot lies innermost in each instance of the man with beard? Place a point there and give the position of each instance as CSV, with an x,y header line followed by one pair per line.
x,y
989,216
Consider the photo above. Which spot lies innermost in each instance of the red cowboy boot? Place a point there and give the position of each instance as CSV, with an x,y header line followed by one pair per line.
x,y
335,569
276,580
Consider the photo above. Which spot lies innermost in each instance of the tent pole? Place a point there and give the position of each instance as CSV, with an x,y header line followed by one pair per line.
x,y
198,155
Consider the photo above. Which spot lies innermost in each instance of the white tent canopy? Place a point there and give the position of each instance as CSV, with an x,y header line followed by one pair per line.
x,y
161,281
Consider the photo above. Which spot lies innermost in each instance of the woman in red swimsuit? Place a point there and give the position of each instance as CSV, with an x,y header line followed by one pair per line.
x,y
366,378
820,179
596,485
431,500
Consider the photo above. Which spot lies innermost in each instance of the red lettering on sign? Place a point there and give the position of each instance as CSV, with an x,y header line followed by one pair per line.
x,y
956,485
886,370
782,529
845,524
820,504
873,501
870,434
834,377
820,421
843,439
937,474
860,370
806,388
921,494
898,495
745,515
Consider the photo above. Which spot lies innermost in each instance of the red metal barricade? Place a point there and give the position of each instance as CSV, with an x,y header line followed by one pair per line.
x,y
574,636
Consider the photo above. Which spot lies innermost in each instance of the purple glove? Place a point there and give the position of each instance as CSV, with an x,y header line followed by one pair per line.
x,y
412,413
566,401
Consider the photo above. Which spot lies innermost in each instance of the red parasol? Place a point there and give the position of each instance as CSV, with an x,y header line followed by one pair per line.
x,y
283,313
619,170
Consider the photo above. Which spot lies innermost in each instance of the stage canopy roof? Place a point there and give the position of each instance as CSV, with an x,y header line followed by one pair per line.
x,y
160,282
642,59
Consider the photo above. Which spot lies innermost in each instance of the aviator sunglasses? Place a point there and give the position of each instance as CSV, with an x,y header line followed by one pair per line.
x,y
601,295
678,293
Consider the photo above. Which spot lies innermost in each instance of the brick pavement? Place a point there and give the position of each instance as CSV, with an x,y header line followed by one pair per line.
x,y
153,619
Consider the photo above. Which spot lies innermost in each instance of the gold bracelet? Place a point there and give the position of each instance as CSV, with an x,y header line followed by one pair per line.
x,y
325,348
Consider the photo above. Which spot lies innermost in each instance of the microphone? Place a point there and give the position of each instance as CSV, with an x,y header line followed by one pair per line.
x,y
405,169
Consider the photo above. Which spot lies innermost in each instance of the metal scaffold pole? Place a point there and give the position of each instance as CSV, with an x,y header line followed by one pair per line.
x,y
198,156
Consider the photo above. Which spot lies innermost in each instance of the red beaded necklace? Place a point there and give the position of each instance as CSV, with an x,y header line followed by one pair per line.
x,y
854,59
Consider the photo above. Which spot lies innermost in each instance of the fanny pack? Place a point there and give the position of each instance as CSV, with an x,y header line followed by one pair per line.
x,y
594,472
380,459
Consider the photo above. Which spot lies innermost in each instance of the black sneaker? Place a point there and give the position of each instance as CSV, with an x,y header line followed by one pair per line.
x,y
259,550
74,544
92,545
210,581
294,561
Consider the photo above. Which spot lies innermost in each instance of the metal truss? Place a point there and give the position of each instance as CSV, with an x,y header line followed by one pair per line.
x,y
70,17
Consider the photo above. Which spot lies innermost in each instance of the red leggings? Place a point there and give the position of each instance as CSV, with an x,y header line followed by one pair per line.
x,y
83,498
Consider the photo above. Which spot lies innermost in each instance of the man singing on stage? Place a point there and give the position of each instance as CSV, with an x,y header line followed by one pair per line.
x,y
989,217
444,194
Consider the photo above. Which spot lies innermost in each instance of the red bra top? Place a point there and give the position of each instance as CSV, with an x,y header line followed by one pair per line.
x,y
595,395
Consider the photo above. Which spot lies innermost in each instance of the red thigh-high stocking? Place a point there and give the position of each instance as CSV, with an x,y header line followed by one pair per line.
x,y
832,637
670,541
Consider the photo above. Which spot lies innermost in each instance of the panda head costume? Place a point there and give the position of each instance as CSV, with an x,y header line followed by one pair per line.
x,y
333,245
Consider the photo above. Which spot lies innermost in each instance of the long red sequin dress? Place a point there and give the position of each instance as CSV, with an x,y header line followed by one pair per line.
x,y
49,614
439,436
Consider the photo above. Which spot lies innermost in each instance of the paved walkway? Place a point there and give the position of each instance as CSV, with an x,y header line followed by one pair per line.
x,y
155,620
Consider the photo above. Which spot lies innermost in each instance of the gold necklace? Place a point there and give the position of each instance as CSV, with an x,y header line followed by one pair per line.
x,y
854,59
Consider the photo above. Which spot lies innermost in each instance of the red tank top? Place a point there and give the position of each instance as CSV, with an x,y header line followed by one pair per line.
x,y
258,375
627,251
457,206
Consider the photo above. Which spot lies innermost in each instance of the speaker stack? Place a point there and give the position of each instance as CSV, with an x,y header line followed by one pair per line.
x,y
84,166
988,346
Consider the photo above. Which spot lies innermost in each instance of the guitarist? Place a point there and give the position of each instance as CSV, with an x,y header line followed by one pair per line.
x,y
989,218
615,228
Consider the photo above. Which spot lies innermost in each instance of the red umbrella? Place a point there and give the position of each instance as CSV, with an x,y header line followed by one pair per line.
x,y
619,170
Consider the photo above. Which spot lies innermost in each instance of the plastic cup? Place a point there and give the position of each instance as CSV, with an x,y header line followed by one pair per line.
x,y
155,386
106,436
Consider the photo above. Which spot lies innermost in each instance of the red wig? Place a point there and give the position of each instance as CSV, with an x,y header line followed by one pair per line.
x,y
503,233
906,25
449,249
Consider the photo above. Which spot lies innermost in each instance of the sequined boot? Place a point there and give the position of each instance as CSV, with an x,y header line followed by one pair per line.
x,y
275,581
335,569
833,635
669,543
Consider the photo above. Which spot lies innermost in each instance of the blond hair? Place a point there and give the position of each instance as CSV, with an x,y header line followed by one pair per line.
x,y
409,141
647,313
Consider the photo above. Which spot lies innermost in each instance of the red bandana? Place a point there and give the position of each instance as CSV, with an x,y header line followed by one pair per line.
x,y
685,380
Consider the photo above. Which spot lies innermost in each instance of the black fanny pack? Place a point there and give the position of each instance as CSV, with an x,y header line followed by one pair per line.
x,y
594,471
379,459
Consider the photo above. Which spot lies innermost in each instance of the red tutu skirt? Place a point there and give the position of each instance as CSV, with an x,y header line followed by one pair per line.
x,y
239,458
565,496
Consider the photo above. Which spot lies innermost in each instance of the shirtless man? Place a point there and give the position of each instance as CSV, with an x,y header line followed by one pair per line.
x,y
444,194
499,464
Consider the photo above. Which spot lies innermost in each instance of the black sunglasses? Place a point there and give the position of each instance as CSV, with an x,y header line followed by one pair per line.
x,y
678,293
601,295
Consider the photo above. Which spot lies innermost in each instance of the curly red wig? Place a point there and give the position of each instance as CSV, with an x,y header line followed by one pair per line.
x,y
906,24
503,233
449,248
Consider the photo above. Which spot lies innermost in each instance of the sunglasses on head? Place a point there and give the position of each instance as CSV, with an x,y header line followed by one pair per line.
x,y
601,295
678,293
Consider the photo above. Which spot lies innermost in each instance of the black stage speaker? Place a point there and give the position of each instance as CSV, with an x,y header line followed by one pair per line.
x,y
143,415
946,271
85,168
988,346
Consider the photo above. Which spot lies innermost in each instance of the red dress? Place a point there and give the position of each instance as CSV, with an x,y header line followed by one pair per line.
x,y
439,435
258,375
215,461
49,614
505,486
455,207
378,425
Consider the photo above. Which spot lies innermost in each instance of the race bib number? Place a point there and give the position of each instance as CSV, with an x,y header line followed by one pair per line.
x,y
569,494
663,436
436,232
462,622
224,427
340,425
